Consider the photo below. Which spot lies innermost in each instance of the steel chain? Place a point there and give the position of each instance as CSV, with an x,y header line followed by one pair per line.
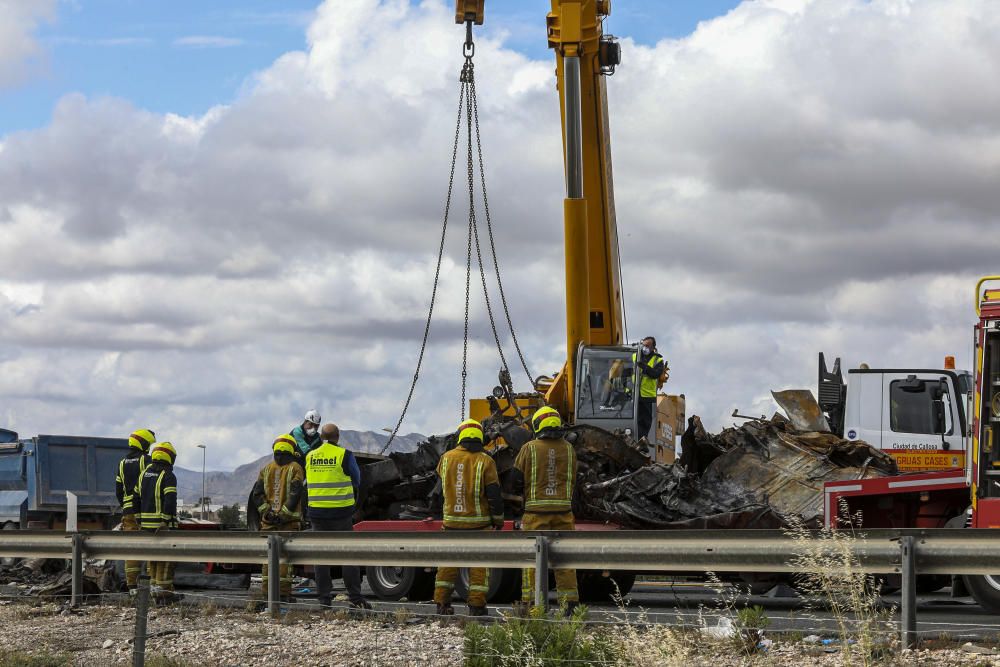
x,y
467,99
493,251
437,273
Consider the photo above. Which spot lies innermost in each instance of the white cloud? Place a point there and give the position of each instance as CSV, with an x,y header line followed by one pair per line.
x,y
793,177
20,52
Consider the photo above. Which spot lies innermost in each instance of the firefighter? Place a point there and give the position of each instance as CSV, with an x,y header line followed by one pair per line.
x,y
333,480
651,372
278,497
157,491
545,475
306,434
472,501
129,470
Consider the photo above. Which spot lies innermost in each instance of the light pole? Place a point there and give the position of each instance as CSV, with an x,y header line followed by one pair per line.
x,y
203,453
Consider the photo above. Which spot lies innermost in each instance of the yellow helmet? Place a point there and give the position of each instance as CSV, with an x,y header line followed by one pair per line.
x,y
284,443
141,439
545,417
470,429
164,451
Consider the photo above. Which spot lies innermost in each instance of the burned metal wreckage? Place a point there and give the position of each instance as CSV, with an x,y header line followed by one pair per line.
x,y
762,474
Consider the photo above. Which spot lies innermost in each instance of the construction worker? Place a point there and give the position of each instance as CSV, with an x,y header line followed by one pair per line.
x,y
650,371
157,490
472,501
129,470
545,475
306,434
333,480
277,495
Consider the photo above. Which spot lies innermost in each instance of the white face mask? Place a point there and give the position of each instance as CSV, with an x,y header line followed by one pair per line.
x,y
645,349
310,431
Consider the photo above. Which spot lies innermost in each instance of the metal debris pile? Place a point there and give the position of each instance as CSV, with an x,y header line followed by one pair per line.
x,y
50,577
762,474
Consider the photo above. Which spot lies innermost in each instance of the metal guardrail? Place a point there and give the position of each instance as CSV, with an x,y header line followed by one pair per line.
x,y
904,552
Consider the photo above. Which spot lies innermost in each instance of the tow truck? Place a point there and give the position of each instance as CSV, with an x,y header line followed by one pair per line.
x,y
918,416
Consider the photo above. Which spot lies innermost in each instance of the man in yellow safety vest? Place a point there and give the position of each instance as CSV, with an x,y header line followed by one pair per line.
x,y
333,479
545,474
157,498
130,469
277,495
472,501
649,371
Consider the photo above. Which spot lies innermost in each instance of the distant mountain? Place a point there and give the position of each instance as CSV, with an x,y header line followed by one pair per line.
x,y
227,488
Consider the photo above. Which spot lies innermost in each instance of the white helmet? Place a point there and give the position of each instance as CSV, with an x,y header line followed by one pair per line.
x,y
313,416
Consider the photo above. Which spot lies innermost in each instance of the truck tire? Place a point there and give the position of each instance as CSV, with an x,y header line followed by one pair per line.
x,y
595,587
985,589
394,583
505,585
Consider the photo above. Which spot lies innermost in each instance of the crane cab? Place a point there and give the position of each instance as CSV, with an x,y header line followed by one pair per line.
x,y
605,389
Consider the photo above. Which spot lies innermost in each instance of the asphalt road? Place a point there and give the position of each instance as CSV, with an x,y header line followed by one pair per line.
x,y
938,614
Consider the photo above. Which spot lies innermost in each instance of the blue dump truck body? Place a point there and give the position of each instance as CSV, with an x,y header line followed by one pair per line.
x,y
36,473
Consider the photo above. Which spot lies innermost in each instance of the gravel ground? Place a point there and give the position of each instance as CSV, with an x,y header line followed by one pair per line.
x,y
196,636
205,637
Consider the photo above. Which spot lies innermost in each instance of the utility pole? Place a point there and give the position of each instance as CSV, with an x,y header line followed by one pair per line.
x,y
203,454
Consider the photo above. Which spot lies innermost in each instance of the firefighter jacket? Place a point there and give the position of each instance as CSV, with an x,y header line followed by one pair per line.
x,y
648,371
332,478
127,479
157,497
546,468
471,488
279,490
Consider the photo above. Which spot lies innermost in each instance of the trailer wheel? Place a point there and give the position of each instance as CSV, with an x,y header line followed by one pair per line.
x,y
505,585
985,589
593,586
393,583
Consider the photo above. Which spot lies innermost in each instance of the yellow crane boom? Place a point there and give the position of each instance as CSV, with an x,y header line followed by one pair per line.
x,y
594,314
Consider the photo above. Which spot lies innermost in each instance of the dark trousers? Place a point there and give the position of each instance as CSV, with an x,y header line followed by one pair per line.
x,y
647,407
351,573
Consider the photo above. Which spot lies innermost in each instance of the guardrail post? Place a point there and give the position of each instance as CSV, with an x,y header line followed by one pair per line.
x,y
274,575
542,572
908,618
141,613
76,570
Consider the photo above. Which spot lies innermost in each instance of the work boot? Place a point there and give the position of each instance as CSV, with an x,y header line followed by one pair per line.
x,y
571,607
478,611
445,609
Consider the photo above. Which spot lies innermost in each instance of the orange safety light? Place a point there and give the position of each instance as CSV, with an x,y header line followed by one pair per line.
x,y
949,363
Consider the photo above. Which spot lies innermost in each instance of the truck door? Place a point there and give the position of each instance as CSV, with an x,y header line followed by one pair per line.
x,y
921,422
863,414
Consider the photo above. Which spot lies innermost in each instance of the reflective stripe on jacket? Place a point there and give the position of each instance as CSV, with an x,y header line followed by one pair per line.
x,y
549,468
279,488
648,386
327,483
130,469
465,477
157,497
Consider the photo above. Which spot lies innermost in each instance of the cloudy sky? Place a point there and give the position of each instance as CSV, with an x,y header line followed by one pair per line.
x,y
214,219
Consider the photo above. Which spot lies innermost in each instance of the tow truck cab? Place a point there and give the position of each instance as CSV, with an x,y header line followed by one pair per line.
x,y
917,416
